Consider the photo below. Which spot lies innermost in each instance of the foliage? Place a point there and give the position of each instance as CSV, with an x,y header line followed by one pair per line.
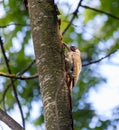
x,y
89,31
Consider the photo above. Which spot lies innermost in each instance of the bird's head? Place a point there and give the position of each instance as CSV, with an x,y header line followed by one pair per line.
x,y
73,48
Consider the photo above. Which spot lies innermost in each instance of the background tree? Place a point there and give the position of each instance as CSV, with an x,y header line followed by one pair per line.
x,y
93,29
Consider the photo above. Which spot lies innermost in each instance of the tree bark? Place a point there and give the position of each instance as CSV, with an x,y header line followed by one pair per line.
x,y
50,63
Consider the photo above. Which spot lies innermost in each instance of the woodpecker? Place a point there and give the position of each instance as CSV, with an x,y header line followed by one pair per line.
x,y
73,66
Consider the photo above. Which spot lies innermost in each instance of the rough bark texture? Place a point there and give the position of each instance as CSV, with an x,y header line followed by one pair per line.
x,y
50,63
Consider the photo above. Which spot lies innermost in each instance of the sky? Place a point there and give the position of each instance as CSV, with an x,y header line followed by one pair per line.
x,y
106,98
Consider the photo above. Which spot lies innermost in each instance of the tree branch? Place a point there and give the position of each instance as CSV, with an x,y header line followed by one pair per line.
x,y
100,11
73,17
96,61
12,82
19,74
9,121
26,68
16,24
18,77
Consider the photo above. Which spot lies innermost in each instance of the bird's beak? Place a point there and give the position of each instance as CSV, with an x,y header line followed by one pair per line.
x,y
67,46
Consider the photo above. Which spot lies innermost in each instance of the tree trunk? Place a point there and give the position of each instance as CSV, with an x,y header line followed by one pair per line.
x,y
50,63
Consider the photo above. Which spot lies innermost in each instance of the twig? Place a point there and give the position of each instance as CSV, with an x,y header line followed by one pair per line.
x,y
73,17
87,7
19,74
12,82
27,67
100,11
16,24
18,77
96,61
